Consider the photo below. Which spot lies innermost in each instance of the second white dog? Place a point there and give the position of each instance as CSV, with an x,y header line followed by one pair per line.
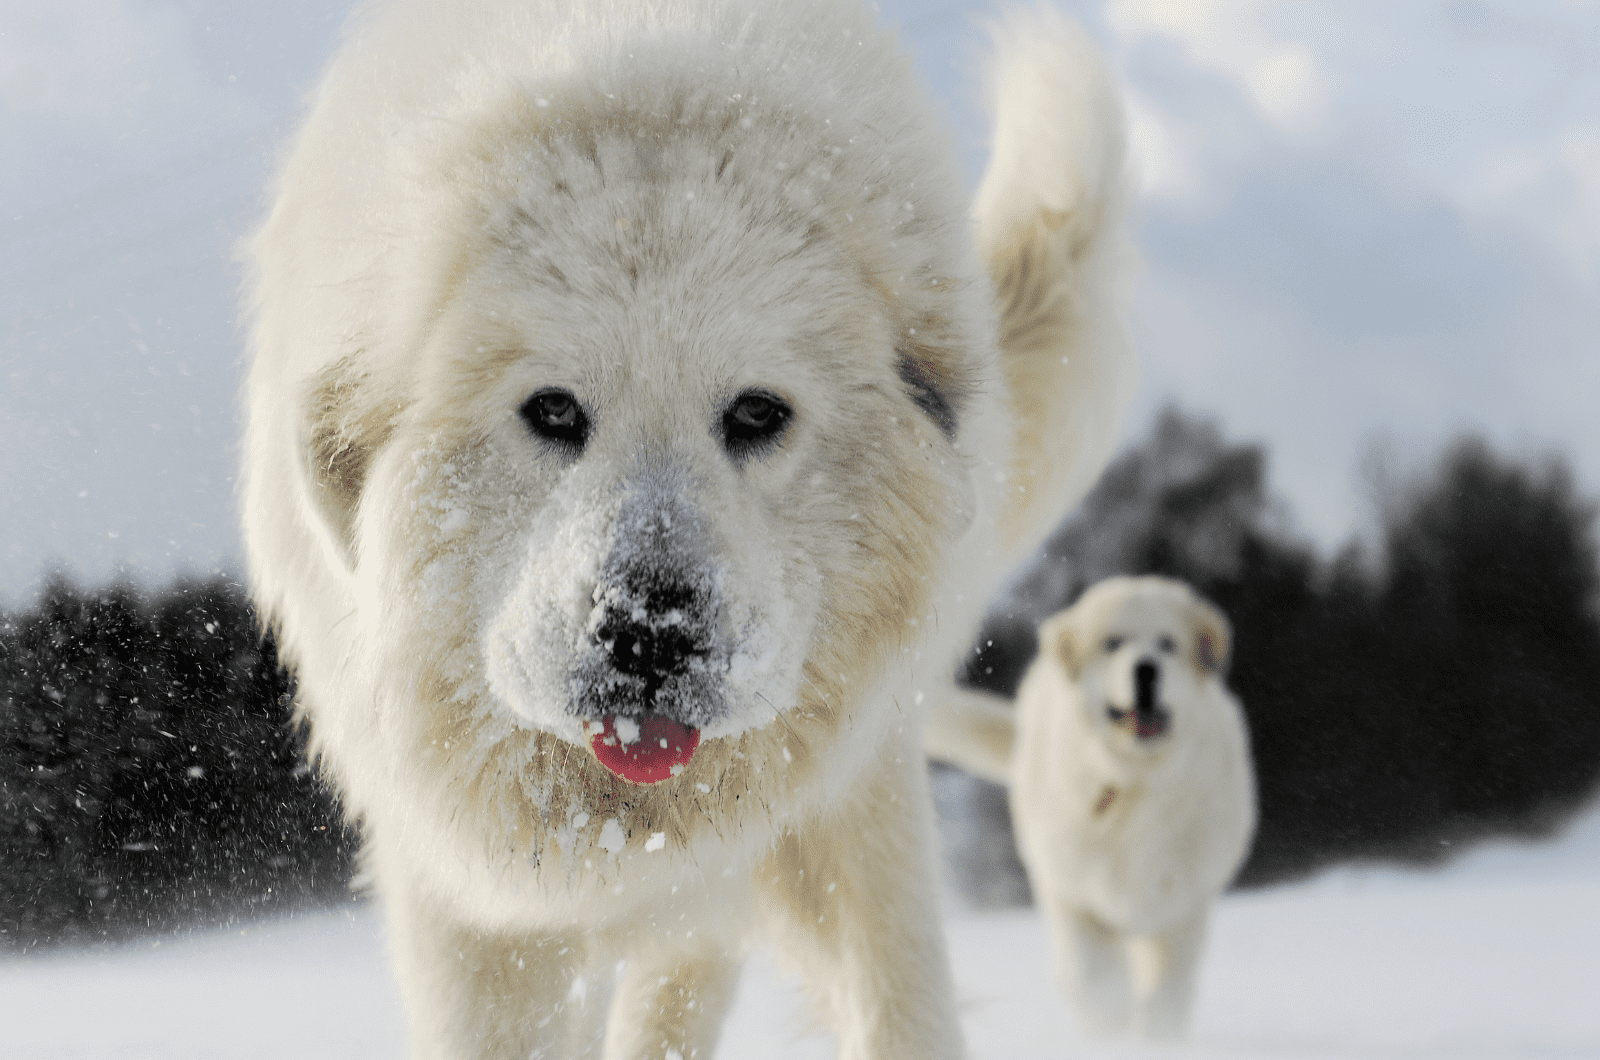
x,y
1132,792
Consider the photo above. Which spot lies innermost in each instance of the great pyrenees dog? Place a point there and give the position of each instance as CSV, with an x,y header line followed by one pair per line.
x,y
637,424
1132,792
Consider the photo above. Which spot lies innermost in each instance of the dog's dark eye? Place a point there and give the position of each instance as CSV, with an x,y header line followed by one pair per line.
x,y
754,422
1112,644
556,416
1167,645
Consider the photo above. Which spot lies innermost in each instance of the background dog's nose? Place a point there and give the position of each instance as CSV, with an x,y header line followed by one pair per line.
x,y
1145,676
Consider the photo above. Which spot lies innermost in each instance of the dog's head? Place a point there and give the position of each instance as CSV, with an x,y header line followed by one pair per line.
x,y
668,446
1140,651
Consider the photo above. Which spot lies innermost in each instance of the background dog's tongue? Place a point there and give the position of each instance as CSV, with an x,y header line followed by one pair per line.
x,y
1147,726
661,751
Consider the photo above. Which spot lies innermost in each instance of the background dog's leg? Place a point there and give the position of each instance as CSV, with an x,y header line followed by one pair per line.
x,y
851,901
671,1003
1092,963
486,996
1165,966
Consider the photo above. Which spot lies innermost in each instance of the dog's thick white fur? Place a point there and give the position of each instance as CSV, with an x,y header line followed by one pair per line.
x,y
1132,792
632,361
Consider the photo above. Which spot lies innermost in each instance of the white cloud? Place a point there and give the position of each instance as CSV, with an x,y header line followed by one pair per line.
x,y
1288,87
1165,153
1551,189
1234,40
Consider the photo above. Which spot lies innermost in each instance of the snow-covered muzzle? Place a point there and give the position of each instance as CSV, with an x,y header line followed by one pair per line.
x,y
654,639
636,630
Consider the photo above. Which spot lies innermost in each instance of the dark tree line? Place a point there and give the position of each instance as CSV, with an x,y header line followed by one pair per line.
x,y
1440,686
1403,700
149,774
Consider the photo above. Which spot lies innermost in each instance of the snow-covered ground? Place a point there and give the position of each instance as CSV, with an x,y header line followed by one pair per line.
x,y
1496,957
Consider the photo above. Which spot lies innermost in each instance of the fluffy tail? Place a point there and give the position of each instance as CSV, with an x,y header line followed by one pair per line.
x,y
973,730
1049,215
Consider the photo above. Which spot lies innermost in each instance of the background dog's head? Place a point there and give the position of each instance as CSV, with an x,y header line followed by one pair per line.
x,y
1141,652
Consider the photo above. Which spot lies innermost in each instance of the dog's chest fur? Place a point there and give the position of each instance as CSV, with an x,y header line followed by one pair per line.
x,y
1138,843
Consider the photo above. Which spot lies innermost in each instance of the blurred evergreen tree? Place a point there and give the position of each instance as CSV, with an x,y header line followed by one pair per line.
x,y
149,773
1489,603
69,666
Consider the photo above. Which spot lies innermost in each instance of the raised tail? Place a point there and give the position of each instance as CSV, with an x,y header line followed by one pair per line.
x,y
974,731
1050,215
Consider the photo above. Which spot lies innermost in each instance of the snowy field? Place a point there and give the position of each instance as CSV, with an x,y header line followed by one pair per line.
x,y
1496,957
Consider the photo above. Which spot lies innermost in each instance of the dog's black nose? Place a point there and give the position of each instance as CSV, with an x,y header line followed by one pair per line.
x,y
655,634
1146,675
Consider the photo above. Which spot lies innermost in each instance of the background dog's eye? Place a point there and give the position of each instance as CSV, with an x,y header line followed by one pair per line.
x,y
556,415
1112,644
754,421
1167,644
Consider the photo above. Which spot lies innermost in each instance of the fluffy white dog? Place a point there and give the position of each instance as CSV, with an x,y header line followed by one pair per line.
x,y
1132,792
627,382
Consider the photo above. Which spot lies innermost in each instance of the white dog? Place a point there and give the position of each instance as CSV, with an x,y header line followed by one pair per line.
x,y
636,424
1132,792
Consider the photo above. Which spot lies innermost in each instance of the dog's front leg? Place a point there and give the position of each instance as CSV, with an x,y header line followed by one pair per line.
x,y
1092,964
850,899
1166,964
670,1002
477,995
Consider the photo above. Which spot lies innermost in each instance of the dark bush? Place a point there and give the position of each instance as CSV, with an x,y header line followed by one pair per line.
x,y
149,772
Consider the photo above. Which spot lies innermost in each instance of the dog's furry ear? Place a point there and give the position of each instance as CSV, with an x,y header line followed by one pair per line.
x,y
342,432
1213,637
1060,637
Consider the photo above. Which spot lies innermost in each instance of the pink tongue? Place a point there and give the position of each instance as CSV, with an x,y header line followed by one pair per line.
x,y
660,753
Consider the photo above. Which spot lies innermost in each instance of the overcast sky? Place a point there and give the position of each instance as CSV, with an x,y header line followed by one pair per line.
x,y
1367,226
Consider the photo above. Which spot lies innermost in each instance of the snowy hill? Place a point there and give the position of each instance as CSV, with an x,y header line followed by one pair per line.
x,y
1496,957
